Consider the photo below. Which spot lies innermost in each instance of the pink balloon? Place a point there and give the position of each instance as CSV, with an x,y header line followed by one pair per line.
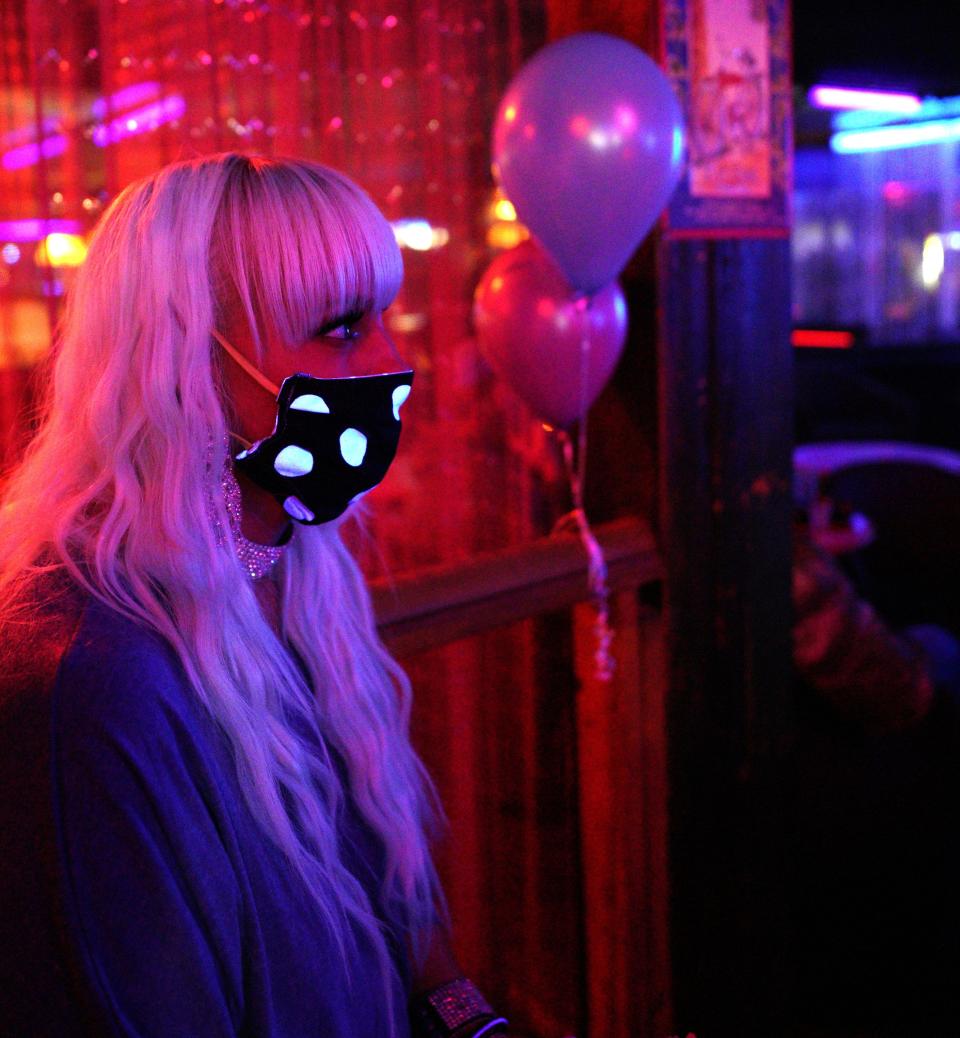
x,y
531,330
587,144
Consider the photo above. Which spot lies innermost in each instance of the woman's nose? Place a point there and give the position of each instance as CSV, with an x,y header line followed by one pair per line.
x,y
379,355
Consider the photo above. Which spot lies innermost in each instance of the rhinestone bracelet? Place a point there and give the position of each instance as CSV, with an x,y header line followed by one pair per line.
x,y
456,1009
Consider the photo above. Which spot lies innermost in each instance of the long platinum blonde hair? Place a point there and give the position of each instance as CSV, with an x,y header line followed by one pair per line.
x,y
118,484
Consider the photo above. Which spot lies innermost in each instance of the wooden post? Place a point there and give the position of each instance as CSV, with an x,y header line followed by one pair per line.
x,y
726,430
623,824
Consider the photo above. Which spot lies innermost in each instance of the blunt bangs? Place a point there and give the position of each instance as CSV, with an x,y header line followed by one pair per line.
x,y
301,245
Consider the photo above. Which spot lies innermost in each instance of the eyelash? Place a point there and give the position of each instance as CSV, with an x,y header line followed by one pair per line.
x,y
350,328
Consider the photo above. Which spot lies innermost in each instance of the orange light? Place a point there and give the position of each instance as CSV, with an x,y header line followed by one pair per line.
x,y
503,209
510,113
61,250
837,340
506,235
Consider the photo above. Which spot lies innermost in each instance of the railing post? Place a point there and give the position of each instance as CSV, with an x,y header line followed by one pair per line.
x,y
623,822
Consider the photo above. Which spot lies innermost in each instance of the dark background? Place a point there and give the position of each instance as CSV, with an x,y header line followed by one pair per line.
x,y
909,46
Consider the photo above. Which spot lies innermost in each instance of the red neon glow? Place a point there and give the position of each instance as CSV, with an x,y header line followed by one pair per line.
x,y
837,340
134,94
865,100
896,192
579,126
140,120
29,154
35,229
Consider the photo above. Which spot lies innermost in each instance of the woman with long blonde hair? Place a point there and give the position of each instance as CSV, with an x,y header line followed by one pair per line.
x,y
212,821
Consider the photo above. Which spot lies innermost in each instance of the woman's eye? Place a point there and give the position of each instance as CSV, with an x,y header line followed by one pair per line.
x,y
343,331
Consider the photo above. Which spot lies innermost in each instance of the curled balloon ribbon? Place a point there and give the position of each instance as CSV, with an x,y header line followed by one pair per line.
x,y
576,468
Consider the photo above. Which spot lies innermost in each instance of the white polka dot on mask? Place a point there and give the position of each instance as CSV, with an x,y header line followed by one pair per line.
x,y
400,395
293,461
353,447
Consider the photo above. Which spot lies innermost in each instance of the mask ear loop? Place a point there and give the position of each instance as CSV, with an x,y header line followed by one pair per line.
x,y
271,387
246,443
254,373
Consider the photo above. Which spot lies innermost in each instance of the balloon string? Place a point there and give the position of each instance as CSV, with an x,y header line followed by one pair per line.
x,y
604,663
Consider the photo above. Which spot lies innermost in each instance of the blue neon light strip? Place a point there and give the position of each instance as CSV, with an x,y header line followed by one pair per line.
x,y
888,138
931,108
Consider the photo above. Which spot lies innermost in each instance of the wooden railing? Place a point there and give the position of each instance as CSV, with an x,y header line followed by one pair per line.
x,y
620,746
437,605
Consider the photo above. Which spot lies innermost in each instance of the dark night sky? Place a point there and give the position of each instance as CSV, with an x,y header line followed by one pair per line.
x,y
910,44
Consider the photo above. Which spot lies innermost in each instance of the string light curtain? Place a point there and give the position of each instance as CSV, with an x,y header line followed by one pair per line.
x,y
96,93
401,96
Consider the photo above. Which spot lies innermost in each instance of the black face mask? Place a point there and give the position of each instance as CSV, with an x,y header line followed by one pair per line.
x,y
333,440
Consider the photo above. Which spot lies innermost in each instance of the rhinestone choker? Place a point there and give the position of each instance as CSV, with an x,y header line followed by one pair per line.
x,y
257,559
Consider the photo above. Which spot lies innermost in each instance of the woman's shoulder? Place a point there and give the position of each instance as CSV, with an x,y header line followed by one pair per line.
x,y
114,827
66,650
35,632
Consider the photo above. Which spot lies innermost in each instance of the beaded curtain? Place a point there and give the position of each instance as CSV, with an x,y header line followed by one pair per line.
x,y
96,93
400,96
